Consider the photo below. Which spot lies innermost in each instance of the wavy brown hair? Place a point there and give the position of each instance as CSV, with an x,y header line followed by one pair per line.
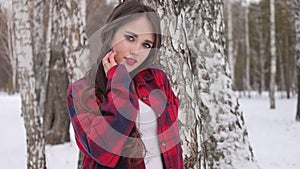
x,y
96,77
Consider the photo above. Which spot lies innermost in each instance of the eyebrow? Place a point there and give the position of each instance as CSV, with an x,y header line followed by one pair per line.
x,y
135,35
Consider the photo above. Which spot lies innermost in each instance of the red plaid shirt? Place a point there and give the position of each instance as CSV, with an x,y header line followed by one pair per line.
x,y
101,136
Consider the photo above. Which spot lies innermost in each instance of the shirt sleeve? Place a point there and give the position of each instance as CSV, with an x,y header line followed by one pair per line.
x,y
102,135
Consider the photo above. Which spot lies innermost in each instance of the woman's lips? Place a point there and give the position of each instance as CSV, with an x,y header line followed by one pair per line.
x,y
130,61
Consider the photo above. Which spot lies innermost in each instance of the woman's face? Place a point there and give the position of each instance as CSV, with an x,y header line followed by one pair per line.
x,y
133,42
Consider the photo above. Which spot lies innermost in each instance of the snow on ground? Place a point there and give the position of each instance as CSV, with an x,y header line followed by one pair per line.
x,y
13,140
274,135
12,132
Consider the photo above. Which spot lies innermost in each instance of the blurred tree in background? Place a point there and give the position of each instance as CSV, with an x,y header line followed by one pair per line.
x,y
5,62
260,52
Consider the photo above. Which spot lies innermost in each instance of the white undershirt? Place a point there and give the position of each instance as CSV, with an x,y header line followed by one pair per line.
x,y
147,125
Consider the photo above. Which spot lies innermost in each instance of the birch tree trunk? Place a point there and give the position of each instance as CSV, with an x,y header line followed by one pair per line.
x,y
287,64
32,70
6,68
247,42
212,128
296,14
230,39
261,58
281,69
261,47
72,21
75,44
56,120
273,55
11,44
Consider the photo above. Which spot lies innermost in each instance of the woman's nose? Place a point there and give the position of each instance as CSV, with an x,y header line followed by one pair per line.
x,y
134,49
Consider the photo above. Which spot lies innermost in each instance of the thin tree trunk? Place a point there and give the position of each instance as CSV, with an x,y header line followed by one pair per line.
x,y
230,40
75,44
273,55
298,104
72,20
296,14
30,52
248,87
6,67
261,48
282,70
287,65
56,120
11,44
262,62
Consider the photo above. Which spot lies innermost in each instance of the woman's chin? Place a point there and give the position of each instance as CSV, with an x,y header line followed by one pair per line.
x,y
129,68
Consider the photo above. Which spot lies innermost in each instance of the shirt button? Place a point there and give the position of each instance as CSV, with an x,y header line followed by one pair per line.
x,y
144,98
163,144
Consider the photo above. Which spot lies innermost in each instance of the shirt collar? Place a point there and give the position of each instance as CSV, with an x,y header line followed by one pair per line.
x,y
143,77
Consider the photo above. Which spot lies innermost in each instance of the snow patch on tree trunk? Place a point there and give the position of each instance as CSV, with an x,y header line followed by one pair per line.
x,y
212,128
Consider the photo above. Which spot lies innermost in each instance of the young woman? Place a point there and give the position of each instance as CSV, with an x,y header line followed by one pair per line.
x,y
123,112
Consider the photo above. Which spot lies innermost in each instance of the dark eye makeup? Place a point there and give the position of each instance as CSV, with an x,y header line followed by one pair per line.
x,y
131,37
147,45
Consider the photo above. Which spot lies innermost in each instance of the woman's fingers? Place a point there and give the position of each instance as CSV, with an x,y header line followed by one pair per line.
x,y
105,58
111,58
108,61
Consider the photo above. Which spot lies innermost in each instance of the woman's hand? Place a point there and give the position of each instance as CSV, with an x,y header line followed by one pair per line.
x,y
109,61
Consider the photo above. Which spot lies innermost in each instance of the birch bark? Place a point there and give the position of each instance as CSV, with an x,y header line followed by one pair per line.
x,y
273,55
56,120
11,44
72,21
248,86
31,55
261,57
296,14
230,39
75,44
212,128
287,77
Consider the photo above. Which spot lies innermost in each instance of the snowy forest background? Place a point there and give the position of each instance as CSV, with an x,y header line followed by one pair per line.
x,y
233,64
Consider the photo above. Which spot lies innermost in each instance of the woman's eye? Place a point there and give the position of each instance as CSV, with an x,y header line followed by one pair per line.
x,y
147,45
129,37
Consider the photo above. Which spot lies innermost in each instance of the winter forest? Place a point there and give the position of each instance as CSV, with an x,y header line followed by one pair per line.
x,y
233,64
